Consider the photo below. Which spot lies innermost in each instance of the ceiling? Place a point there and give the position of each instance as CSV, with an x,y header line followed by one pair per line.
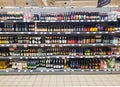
x,y
53,3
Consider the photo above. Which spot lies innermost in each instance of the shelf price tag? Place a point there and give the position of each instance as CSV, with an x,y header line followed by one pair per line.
x,y
2,45
42,45
91,70
94,44
20,57
36,44
104,56
102,44
72,20
97,70
72,70
50,32
53,45
41,32
7,71
117,56
102,20
100,32
48,57
78,32
60,45
21,32
36,32
81,56
63,57
64,70
62,21
31,70
106,32
72,44
14,21
45,33
82,20
68,32
25,45
7,45
113,69
48,45
10,57
98,20
14,46
98,56
47,70
87,32
82,70
94,32
52,70
113,32
57,56
29,32
25,70
26,57
19,70
7,32
58,32
88,20
41,70
109,20
105,70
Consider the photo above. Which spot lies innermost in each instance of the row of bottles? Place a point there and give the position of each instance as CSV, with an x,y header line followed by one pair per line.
x,y
30,27
17,27
74,28
29,16
84,39
81,39
55,63
31,51
11,15
71,16
20,40
4,64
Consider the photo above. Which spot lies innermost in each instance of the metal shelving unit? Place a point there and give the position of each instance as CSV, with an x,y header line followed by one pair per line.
x,y
60,71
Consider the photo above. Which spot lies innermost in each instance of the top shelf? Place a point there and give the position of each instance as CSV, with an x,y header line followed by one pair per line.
x,y
44,21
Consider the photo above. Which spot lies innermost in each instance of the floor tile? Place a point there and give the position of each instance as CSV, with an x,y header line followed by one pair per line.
x,y
91,83
99,83
36,85
5,86
59,80
28,86
14,83
115,83
83,83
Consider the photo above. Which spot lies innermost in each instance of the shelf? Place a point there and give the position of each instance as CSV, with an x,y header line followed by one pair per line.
x,y
60,21
59,56
59,71
56,33
57,45
78,21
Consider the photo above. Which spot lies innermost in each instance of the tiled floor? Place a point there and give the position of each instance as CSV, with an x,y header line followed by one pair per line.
x,y
59,80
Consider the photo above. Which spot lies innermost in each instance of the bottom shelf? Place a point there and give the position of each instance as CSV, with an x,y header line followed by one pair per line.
x,y
58,71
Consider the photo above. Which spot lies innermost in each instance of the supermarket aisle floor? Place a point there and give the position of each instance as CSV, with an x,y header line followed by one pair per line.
x,y
59,80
